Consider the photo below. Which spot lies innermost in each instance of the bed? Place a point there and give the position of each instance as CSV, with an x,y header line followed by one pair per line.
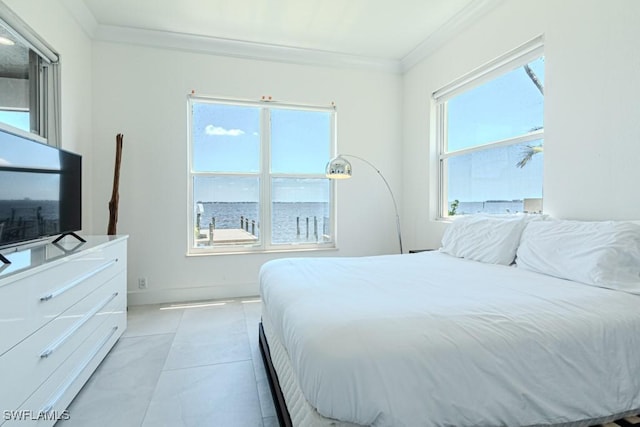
x,y
458,337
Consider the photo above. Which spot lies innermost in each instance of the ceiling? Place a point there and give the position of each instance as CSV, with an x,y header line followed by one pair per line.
x,y
367,33
391,34
376,28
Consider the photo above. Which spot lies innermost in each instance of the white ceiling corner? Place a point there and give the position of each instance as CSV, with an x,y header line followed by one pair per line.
x,y
463,19
83,16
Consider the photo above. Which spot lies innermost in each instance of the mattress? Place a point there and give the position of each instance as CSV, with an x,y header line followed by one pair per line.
x,y
300,410
429,339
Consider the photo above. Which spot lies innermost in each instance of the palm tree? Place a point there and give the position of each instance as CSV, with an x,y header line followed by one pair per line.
x,y
528,152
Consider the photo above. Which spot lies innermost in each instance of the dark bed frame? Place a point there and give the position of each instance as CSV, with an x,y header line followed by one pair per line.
x,y
276,392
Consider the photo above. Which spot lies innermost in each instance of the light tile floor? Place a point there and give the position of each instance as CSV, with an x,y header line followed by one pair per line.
x,y
194,365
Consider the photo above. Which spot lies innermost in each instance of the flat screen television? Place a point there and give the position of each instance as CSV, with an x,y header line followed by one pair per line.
x,y
40,190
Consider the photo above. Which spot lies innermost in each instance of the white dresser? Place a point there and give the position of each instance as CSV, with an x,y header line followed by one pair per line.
x,y
62,308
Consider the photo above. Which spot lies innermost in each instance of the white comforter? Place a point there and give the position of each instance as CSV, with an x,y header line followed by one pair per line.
x,y
431,340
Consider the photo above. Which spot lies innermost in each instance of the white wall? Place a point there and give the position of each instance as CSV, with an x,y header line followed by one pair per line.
x,y
142,93
592,131
51,22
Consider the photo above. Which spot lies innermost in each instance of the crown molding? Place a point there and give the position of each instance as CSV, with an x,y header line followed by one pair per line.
x,y
273,52
458,23
220,46
241,49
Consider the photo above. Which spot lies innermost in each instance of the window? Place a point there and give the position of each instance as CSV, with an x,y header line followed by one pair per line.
x,y
29,81
490,131
257,177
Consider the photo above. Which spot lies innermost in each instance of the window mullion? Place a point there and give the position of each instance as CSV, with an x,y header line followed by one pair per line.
x,y
531,136
333,208
265,177
442,138
298,175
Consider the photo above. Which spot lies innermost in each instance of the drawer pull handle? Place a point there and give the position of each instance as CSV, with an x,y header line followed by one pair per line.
x,y
76,326
75,374
77,281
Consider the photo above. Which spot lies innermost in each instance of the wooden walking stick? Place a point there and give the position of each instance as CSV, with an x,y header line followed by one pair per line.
x,y
115,196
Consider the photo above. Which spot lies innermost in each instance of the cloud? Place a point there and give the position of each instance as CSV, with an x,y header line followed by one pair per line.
x,y
4,162
217,131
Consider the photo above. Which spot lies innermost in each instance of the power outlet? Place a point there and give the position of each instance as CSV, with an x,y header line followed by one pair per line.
x,y
142,283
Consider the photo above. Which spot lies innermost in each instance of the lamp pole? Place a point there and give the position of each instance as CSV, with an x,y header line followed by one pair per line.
x,y
395,205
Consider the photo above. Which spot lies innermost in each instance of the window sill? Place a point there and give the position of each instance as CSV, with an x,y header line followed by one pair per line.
x,y
446,220
261,251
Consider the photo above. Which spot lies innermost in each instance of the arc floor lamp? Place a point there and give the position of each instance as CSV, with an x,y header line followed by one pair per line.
x,y
340,168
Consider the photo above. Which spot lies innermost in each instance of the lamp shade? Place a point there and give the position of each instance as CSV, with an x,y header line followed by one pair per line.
x,y
338,168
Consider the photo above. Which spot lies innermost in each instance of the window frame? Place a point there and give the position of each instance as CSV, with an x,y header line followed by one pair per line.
x,y
502,65
44,98
265,177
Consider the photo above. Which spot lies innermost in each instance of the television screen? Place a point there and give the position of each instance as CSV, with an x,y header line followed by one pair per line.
x,y
40,190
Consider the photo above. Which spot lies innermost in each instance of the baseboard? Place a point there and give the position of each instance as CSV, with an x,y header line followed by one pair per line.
x,y
178,295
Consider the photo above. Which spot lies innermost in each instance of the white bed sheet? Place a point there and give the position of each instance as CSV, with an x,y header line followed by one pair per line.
x,y
432,340
300,410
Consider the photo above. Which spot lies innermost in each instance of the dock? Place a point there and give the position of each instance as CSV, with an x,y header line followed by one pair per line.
x,y
225,236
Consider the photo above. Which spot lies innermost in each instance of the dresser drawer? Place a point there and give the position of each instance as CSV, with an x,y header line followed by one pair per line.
x,y
36,358
55,394
31,301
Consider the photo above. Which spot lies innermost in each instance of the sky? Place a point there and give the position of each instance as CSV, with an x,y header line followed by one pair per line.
x,y
508,106
227,139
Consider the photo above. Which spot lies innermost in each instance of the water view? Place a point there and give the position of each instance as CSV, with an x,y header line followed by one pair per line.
x,y
301,222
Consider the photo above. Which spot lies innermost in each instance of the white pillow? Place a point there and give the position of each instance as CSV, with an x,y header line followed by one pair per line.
x,y
605,253
484,238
